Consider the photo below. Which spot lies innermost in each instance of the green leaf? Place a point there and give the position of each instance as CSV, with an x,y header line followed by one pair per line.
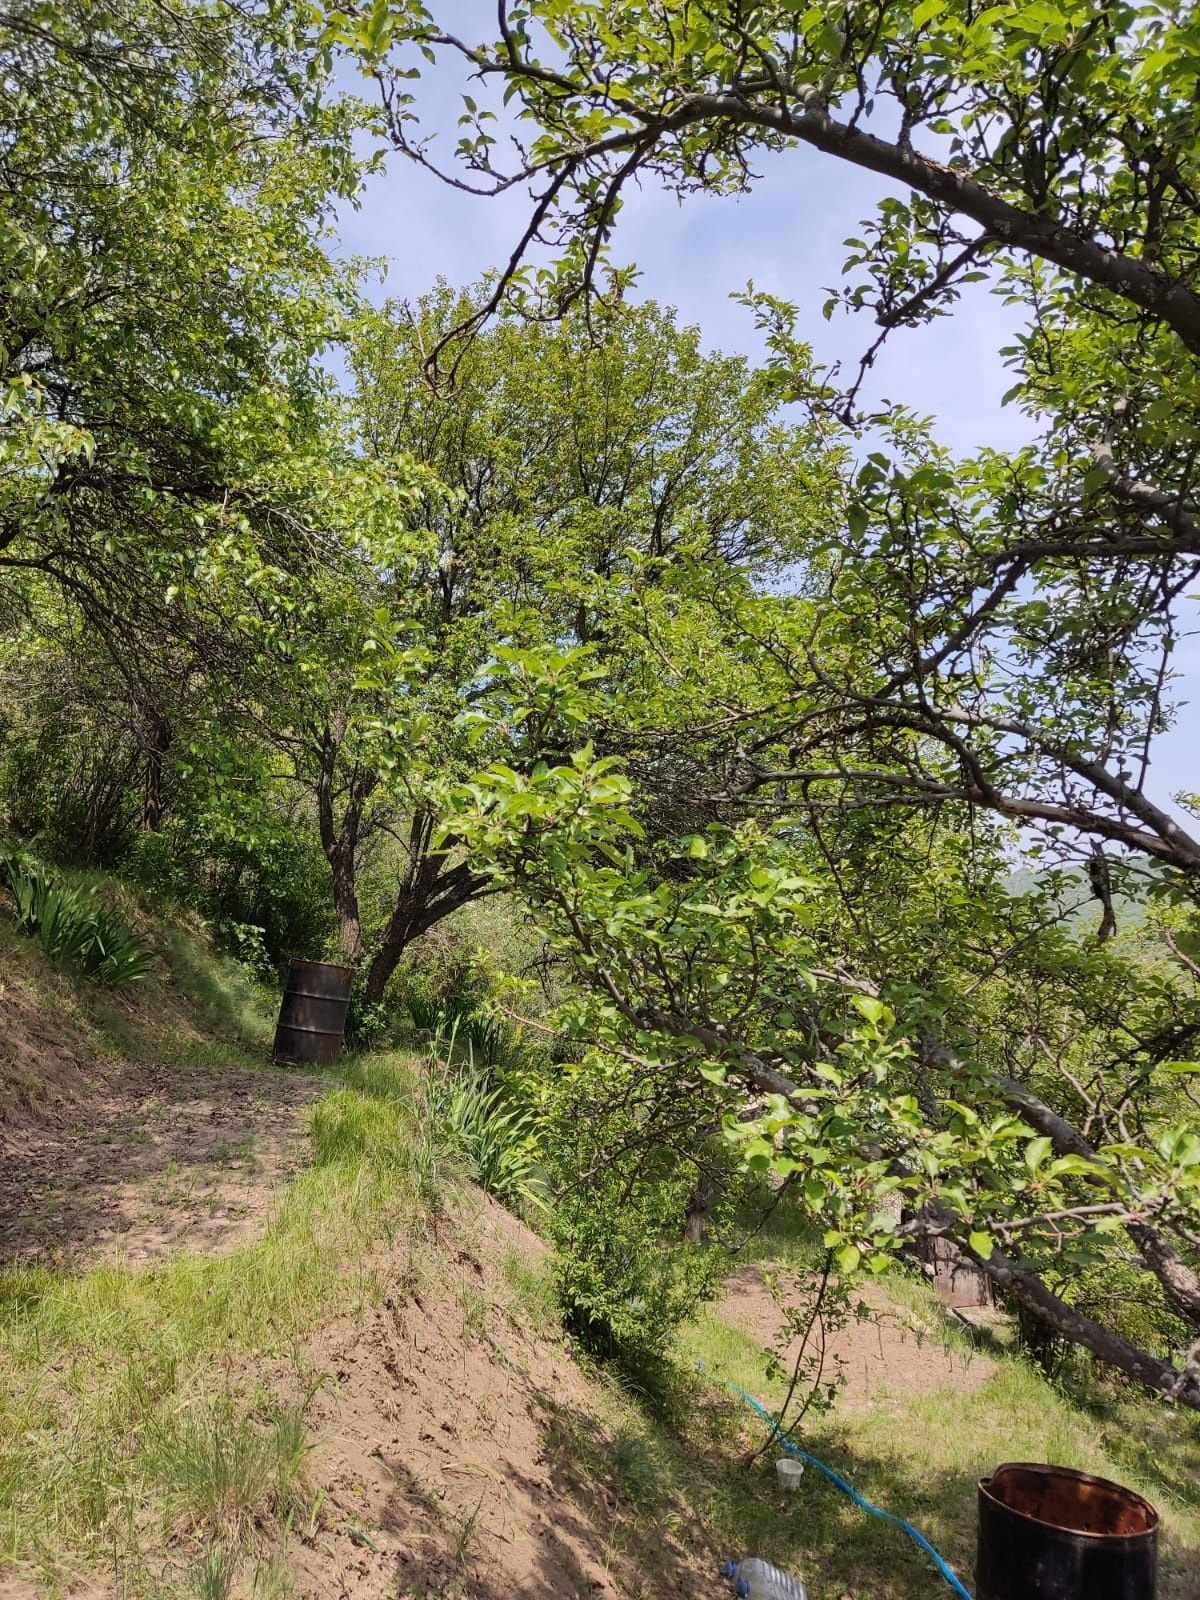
x,y
872,1009
926,11
857,519
1036,1152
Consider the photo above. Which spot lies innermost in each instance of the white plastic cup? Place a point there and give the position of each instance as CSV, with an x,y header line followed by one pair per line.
x,y
789,1472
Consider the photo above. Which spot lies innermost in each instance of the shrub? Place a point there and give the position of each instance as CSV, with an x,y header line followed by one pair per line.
x,y
71,927
443,985
624,1160
245,943
367,1026
266,901
625,1282
70,771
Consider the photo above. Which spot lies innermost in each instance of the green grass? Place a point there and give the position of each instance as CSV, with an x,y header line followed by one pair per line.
x,y
197,1007
532,1284
154,1422
918,1453
658,1486
130,1418
773,1230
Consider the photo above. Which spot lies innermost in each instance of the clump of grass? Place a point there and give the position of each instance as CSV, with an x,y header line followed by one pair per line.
x,y
464,1118
497,1139
381,1123
532,1285
216,1573
70,924
226,1472
639,1465
349,1127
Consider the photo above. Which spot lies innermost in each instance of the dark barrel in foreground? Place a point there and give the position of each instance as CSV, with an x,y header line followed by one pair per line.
x,y
312,1014
1048,1533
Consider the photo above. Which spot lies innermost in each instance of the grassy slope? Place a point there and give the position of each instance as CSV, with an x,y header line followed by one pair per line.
x,y
917,1453
153,1421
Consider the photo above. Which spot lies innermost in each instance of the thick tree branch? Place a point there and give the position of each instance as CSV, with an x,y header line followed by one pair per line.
x,y
1180,1283
1025,1285
1135,279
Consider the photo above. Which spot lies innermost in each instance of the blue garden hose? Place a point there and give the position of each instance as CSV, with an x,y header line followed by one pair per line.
x,y
915,1534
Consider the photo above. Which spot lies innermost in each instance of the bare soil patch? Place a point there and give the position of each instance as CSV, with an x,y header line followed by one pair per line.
x,y
448,1460
882,1357
43,1049
155,1158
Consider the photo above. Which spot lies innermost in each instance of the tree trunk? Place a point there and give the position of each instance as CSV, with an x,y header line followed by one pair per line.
x,y
698,1210
1180,1284
1070,1323
431,890
345,905
154,802
340,841
416,911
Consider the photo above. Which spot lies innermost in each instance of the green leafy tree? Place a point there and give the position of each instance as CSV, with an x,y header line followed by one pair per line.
x,y
168,178
882,1030
988,638
572,474
1030,604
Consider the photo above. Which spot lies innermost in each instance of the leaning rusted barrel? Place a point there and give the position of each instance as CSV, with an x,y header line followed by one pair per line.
x,y
312,1014
1048,1533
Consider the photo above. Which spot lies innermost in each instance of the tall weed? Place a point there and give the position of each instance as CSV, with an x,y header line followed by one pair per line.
x,y
71,926
497,1137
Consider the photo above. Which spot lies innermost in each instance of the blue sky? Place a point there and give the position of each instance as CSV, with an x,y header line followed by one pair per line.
x,y
787,236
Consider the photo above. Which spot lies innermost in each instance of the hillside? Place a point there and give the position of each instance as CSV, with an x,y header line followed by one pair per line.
x,y
260,1336
655,703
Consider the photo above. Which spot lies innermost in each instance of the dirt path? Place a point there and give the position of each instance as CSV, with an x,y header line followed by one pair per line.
x,y
160,1158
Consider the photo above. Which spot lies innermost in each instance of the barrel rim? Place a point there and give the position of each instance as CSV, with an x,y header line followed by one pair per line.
x,y
325,966
1047,1469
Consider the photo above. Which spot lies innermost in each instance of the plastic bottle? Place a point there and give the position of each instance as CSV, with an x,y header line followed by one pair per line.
x,y
755,1579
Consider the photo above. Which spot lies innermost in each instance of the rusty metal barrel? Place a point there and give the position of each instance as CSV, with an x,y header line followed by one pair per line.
x,y
312,1013
1049,1533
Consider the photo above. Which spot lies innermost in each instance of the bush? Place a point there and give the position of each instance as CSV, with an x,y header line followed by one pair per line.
x,y
367,1026
625,1282
441,984
266,901
246,944
626,1279
70,771
71,927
